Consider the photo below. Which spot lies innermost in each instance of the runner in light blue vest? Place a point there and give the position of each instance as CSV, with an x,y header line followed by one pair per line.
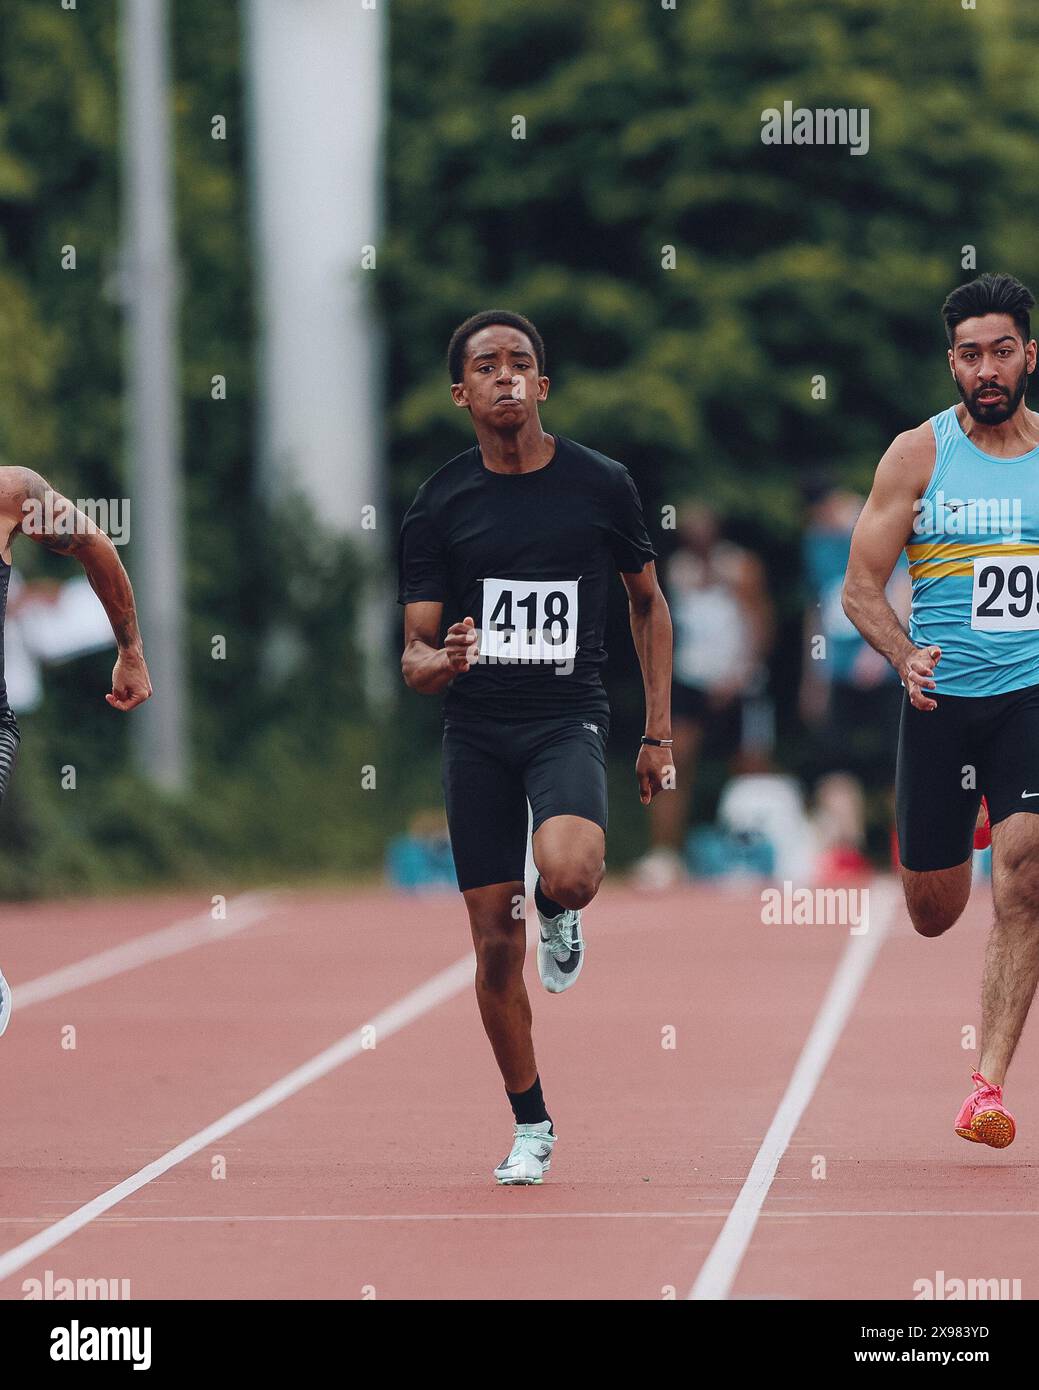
x,y
974,563
961,494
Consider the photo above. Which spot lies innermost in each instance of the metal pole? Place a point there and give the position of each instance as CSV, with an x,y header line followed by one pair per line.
x,y
149,288
320,68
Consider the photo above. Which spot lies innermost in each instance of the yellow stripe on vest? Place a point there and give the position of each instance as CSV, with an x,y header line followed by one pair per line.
x,y
967,550
938,570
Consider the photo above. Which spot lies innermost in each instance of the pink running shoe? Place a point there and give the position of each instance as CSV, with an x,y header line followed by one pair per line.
x,y
983,1118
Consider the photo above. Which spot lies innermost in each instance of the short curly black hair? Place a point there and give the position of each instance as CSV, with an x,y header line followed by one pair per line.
x,y
989,294
484,319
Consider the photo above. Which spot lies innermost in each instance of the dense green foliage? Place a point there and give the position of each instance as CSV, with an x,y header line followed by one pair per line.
x,y
643,131
275,761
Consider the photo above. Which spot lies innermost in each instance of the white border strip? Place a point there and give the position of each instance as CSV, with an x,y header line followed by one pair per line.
x,y
719,1270
420,1001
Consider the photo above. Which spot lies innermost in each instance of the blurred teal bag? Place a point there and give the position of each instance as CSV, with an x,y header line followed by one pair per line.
x,y
711,852
413,863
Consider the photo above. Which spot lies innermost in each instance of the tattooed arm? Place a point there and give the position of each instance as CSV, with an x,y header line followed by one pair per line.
x,y
31,507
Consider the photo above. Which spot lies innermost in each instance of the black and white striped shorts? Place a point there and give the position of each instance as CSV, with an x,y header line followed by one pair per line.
x,y
10,737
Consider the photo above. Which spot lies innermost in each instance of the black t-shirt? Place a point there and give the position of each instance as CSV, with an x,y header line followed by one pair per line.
x,y
528,556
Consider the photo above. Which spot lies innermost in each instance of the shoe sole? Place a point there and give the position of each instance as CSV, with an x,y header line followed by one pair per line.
x,y
551,987
990,1127
5,1013
523,1182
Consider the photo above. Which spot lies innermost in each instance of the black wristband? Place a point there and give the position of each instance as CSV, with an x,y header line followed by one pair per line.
x,y
656,742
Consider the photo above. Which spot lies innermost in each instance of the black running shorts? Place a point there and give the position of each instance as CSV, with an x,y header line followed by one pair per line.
x,y
949,757
492,769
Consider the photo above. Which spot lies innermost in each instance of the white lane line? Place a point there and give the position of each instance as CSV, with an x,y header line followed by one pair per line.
x,y
720,1268
427,996
242,912
394,1216
230,1220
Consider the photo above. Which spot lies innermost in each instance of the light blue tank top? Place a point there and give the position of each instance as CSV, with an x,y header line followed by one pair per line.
x,y
974,563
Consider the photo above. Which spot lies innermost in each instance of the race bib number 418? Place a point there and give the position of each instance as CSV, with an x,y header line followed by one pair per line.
x,y
1006,593
529,620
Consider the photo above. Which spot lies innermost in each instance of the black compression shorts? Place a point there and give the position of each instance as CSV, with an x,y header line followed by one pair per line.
x,y
949,757
490,771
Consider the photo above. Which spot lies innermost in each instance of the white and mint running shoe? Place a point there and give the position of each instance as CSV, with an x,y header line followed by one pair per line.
x,y
560,949
531,1155
5,1003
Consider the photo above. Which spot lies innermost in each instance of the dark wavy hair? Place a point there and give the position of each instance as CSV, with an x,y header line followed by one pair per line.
x,y
989,294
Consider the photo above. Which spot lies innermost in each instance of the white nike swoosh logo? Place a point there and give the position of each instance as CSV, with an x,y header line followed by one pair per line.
x,y
504,1167
1027,794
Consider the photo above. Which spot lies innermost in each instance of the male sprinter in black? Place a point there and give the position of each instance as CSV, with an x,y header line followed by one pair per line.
x,y
961,494
30,507
516,538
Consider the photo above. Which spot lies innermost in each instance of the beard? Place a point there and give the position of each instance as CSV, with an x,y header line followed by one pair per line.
x,y
998,411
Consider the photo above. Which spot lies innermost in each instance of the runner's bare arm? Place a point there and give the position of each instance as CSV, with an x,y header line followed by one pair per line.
x,y
881,532
651,632
51,520
425,665
884,526
12,496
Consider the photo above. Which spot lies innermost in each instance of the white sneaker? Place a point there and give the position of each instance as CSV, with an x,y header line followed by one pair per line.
x,y
531,1155
560,949
5,1003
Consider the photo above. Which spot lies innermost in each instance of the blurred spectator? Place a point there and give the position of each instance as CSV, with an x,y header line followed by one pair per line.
x,y
48,622
850,695
723,624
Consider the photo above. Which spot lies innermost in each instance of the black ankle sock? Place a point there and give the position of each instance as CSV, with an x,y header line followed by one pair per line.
x,y
546,906
529,1106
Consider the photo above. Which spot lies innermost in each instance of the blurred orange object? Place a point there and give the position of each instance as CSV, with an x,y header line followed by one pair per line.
x,y
983,829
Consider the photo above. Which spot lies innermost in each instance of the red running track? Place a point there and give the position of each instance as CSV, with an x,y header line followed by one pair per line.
x,y
374,1179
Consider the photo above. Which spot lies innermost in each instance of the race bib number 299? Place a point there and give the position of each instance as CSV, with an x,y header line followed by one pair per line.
x,y
1006,593
529,620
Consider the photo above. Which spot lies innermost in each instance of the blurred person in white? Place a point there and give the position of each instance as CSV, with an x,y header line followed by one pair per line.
x,y
724,629
850,695
48,622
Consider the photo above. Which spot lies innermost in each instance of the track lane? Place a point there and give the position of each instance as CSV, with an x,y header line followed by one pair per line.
x,y
412,1128
903,1196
